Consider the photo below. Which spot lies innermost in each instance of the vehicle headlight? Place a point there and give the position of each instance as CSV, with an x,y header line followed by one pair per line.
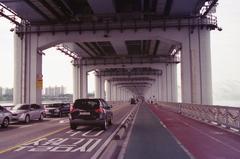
x,y
22,115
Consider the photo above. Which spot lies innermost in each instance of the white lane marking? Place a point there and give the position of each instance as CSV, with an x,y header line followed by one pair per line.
x,y
55,141
63,121
104,145
125,143
62,149
83,147
35,143
94,145
211,137
94,135
172,135
73,133
25,126
56,145
79,141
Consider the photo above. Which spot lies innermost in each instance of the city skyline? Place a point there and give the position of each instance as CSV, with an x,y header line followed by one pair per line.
x,y
224,52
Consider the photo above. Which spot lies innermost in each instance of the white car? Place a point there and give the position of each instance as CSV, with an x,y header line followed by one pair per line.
x,y
5,117
27,112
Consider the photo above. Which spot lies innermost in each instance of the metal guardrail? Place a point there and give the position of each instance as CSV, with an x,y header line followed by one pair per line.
x,y
229,117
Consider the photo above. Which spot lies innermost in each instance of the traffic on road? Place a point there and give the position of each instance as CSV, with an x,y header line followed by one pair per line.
x,y
53,136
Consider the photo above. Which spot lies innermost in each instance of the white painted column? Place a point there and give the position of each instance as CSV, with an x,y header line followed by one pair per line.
x,y
18,96
97,87
76,81
206,67
174,83
160,88
196,68
164,83
102,87
83,81
108,91
28,70
169,82
114,92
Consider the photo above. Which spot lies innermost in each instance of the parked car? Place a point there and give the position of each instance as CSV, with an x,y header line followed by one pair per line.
x,y
90,112
27,112
5,117
57,109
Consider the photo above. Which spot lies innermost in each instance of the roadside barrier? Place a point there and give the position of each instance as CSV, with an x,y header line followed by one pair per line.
x,y
228,117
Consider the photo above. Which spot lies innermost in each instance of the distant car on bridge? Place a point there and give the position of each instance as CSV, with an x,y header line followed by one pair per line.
x,y
90,112
132,101
5,117
57,109
27,112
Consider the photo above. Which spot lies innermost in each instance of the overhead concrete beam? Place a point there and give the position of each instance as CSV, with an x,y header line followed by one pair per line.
x,y
160,6
120,47
102,6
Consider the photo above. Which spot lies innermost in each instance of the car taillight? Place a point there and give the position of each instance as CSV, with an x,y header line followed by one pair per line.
x,y
72,109
99,110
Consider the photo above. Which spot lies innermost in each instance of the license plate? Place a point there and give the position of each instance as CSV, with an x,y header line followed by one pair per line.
x,y
84,113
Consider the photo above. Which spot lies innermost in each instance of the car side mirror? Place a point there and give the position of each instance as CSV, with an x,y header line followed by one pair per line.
x,y
31,109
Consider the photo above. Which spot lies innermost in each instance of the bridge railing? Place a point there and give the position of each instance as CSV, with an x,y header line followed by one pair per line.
x,y
229,117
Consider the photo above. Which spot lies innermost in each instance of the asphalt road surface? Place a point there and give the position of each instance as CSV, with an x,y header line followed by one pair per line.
x,y
52,138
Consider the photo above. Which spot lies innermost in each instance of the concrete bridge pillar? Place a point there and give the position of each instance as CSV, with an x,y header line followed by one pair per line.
x,y
79,80
76,81
83,81
108,90
164,84
171,82
174,83
196,67
97,86
28,81
103,96
114,92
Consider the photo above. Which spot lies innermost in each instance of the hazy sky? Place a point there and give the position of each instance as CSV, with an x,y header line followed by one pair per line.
x,y
224,45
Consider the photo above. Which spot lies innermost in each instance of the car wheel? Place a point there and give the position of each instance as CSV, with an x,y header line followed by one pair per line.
x,y
73,127
27,119
105,125
41,117
110,121
5,123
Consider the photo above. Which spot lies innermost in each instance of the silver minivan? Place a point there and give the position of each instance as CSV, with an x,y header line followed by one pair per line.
x,y
5,117
27,112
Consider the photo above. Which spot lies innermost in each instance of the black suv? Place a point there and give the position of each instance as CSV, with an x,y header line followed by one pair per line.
x,y
133,101
57,109
90,112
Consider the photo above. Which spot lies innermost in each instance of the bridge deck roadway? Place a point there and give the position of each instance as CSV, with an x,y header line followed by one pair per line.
x,y
54,139
150,140
202,140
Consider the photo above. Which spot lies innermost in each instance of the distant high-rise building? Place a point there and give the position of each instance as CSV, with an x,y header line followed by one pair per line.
x,y
8,91
54,91
1,91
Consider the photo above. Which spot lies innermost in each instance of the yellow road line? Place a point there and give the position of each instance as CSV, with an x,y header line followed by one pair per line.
x,y
43,136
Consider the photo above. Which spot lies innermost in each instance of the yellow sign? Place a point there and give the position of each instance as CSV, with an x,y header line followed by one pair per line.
x,y
39,84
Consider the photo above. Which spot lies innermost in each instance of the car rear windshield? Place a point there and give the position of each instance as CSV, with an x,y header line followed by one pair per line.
x,y
86,104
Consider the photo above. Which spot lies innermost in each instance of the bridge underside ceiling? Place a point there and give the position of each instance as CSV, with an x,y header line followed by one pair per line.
x,y
137,80
144,71
137,51
90,16
66,11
